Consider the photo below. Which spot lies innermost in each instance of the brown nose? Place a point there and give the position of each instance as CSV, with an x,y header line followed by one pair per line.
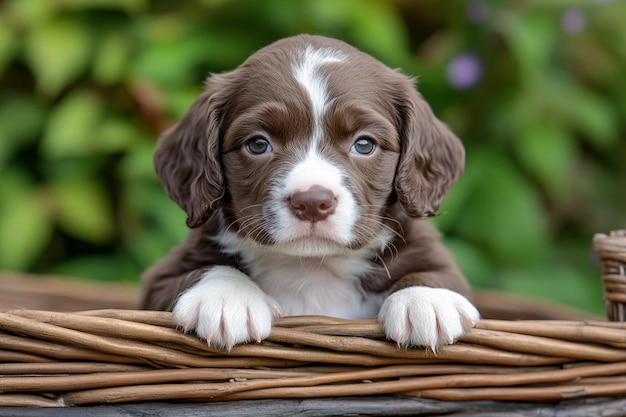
x,y
314,204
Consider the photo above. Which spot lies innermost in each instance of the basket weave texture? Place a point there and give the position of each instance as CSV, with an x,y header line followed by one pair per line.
x,y
611,250
117,356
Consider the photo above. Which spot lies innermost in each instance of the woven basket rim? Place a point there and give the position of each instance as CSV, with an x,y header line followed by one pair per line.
x,y
120,356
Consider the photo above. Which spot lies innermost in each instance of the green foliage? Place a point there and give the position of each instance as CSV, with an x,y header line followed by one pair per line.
x,y
87,85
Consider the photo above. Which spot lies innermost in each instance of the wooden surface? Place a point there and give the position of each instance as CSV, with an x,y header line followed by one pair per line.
x,y
44,292
370,406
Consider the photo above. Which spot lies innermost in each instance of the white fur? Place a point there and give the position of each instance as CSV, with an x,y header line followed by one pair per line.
x,y
326,237
225,307
304,238
307,74
311,285
423,316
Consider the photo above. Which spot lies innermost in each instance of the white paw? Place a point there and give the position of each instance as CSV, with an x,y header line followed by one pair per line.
x,y
424,316
225,307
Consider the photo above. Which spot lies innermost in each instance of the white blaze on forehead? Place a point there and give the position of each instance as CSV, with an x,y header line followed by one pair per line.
x,y
307,73
314,170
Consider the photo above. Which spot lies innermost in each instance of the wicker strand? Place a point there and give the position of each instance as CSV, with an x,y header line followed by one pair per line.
x,y
65,368
544,345
326,385
543,393
611,250
25,400
48,349
337,349
569,331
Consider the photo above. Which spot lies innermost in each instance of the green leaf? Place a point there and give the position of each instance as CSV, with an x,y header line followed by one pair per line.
x,y
21,120
504,213
547,151
174,53
72,125
8,46
112,59
378,28
25,226
57,52
169,217
115,134
29,13
168,57
556,283
129,6
472,262
178,100
532,38
452,207
165,216
584,110
84,209
138,163
149,246
118,267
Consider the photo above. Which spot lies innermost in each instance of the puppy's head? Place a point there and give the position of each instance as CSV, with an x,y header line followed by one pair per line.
x,y
305,146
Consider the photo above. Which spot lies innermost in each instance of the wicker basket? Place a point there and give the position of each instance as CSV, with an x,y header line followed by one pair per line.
x,y
612,252
99,357
113,356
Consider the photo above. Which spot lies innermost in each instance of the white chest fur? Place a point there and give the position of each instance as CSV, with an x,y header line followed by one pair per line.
x,y
314,286
327,286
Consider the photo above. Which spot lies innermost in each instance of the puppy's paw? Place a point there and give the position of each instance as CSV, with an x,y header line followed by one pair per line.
x,y
226,308
423,316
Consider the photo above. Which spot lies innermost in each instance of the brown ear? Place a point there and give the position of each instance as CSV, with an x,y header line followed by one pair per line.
x,y
432,157
187,156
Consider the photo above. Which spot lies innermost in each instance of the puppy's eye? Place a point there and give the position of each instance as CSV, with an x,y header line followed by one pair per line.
x,y
258,146
363,146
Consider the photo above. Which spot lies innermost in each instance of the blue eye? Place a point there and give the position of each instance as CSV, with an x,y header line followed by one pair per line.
x,y
363,146
259,146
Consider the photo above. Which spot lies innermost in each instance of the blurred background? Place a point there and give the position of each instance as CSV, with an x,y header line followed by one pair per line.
x,y
536,90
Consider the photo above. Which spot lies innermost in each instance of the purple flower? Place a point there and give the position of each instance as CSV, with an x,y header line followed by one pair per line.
x,y
477,12
464,70
573,21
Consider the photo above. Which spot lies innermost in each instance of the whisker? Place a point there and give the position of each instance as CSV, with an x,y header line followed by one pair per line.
x,y
365,232
251,206
384,266
399,234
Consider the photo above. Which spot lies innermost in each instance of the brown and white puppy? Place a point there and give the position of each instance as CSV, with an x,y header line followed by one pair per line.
x,y
307,175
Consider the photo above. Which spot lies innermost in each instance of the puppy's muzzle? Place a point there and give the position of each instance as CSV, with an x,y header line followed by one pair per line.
x,y
314,204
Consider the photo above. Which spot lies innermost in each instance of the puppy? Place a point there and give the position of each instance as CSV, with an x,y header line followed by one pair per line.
x,y
307,175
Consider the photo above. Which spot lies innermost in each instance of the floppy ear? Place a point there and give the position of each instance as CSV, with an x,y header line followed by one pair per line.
x,y
432,157
187,156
